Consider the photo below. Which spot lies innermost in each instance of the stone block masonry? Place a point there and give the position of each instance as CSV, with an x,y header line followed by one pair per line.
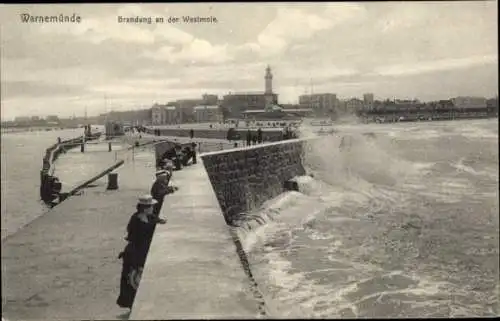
x,y
244,178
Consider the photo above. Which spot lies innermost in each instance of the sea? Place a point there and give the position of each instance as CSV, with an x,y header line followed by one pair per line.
x,y
21,158
391,221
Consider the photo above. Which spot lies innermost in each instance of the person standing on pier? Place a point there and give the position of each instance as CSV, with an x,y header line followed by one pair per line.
x,y
249,137
159,190
259,135
140,231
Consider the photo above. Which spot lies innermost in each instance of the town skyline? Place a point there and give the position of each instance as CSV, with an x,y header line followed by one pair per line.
x,y
393,50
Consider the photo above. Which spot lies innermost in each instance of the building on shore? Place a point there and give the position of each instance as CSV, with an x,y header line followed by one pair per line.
x,y
139,117
492,103
321,104
52,118
208,114
238,103
354,105
156,114
181,110
165,114
368,101
469,102
22,119
210,100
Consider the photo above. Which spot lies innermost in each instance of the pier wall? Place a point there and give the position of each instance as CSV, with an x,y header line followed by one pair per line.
x,y
196,265
244,178
51,155
268,134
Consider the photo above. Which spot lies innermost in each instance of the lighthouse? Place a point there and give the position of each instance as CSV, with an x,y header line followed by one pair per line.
x,y
269,81
268,93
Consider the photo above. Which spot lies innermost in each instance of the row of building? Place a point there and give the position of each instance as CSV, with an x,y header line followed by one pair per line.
x,y
32,119
264,105
258,105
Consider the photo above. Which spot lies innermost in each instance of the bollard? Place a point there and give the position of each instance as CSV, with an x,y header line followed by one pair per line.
x,y
112,181
82,147
109,146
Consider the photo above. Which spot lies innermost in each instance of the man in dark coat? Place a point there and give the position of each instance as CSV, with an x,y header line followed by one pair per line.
x,y
259,136
159,190
249,137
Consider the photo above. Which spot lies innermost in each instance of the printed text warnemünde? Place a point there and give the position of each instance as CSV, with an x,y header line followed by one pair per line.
x,y
27,18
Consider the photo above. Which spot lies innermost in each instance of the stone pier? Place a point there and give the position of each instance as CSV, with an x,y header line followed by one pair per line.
x,y
192,270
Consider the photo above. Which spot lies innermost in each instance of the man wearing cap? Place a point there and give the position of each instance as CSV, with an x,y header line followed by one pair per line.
x,y
160,189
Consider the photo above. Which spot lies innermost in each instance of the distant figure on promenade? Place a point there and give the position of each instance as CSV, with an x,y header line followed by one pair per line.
x,y
254,139
178,157
193,149
286,133
168,155
230,134
139,235
188,153
249,137
191,134
259,135
159,190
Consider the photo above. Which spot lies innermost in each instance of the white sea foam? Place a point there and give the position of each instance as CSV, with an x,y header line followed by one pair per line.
x,y
461,167
296,295
474,132
324,253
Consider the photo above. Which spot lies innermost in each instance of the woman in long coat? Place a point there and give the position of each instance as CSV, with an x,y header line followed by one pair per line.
x,y
140,231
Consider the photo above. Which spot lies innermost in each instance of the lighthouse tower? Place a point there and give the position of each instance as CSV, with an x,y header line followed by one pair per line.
x,y
269,81
268,93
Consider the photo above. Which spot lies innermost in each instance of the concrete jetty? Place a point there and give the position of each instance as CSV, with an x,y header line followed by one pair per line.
x,y
64,264
192,269
203,144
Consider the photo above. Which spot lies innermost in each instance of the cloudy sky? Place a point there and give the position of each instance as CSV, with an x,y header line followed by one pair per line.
x,y
393,49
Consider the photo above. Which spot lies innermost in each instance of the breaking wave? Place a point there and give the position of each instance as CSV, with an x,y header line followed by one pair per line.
x,y
373,233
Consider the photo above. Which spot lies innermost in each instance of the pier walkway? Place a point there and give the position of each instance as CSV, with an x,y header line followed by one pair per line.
x,y
204,144
192,270
64,265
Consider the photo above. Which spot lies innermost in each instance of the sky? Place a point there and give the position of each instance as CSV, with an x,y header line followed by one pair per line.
x,y
424,50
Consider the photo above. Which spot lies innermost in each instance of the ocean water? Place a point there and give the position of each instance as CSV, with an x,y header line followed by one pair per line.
x,y
22,155
399,223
